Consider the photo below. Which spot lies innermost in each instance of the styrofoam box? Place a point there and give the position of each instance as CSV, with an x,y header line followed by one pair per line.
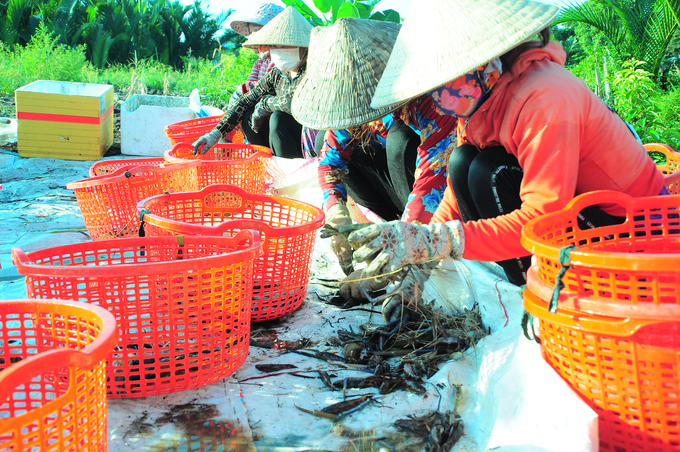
x,y
143,119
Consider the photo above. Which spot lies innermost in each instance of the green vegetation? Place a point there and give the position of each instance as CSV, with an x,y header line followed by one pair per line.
x,y
627,52
331,10
44,58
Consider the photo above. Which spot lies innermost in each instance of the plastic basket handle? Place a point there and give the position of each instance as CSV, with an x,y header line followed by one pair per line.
x,y
19,373
594,198
587,323
672,178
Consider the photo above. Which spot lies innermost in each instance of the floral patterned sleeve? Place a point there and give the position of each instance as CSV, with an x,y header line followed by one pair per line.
x,y
234,115
333,159
437,141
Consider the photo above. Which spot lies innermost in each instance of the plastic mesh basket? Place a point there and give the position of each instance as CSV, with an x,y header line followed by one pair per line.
x,y
104,167
627,370
634,262
108,203
52,375
182,304
287,228
192,129
242,165
671,167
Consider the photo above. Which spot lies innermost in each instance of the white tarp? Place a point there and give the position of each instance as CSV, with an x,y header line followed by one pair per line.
x,y
511,399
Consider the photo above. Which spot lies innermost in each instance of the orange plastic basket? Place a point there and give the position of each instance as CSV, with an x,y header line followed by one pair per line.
x,y
104,167
635,262
108,203
627,370
192,129
242,165
182,304
52,375
670,169
576,304
287,227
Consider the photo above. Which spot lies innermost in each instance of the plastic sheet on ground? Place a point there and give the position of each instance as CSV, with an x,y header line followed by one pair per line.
x,y
511,399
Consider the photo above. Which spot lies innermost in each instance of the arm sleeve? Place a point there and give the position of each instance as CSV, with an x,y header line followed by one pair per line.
x,y
437,141
333,159
234,115
546,130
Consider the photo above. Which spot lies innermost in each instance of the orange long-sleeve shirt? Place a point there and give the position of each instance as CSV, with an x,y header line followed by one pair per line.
x,y
566,140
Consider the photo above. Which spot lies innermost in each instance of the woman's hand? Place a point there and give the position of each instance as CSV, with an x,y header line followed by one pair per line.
x,y
393,245
208,141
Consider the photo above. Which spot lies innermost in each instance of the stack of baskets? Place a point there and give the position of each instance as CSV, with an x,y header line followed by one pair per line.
x,y
608,304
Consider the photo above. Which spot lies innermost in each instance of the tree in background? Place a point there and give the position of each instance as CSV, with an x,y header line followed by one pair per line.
x,y
117,31
638,30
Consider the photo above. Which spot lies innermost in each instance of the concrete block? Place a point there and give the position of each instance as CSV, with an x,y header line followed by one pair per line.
x,y
143,119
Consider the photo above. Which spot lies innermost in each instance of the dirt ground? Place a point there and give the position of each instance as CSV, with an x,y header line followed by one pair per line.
x,y
7,110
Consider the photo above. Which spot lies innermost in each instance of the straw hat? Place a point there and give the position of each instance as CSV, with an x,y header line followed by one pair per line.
x,y
441,40
260,16
289,28
345,63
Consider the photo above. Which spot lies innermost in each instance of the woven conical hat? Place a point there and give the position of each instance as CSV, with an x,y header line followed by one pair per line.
x,y
260,16
441,40
345,63
288,28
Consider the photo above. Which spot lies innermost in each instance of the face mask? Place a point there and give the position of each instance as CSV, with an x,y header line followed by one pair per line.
x,y
285,59
462,96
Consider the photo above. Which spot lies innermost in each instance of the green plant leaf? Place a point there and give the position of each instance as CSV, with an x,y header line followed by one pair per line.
x,y
377,16
364,11
337,4
306,12
392,16
323,5
347,10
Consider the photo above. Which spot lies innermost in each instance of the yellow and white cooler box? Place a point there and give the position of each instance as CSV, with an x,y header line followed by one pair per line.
x,y
64,120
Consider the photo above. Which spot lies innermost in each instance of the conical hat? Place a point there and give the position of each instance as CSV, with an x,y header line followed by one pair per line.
x,y
441,40
345,63
260,16
288,28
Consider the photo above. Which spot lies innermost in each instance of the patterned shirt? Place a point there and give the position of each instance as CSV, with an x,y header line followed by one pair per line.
x,y
261,68
438,139
273,93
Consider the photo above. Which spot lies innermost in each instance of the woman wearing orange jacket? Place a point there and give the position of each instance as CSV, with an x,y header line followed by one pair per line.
x,y
529,143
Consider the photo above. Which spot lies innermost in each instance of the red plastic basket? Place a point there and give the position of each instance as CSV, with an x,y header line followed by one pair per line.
x,y
182,304
242,165
671,168
634,262
108,203
627,370
287,227
192,129
52,375
104,167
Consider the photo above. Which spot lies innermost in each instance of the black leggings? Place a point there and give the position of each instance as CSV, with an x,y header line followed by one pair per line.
x,y
486,184
381,179
281,133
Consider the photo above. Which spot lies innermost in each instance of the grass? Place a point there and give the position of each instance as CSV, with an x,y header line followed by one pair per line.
x,y
44,59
